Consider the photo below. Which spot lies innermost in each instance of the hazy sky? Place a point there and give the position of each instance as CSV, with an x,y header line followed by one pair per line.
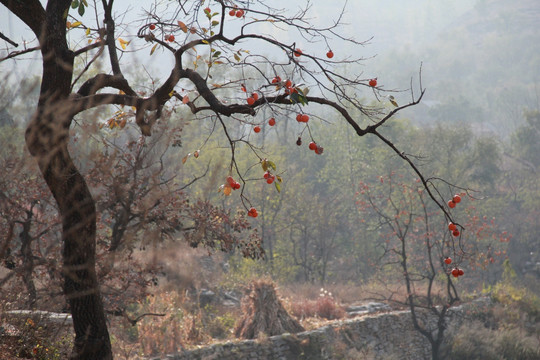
x,y
391,24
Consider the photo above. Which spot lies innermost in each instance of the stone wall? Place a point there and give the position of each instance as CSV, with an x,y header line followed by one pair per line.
x,y
383,336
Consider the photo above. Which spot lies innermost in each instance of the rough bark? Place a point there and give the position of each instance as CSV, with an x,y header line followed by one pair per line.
x,y
47,138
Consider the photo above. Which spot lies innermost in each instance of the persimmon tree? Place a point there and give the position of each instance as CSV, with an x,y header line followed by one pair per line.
x,y
263,75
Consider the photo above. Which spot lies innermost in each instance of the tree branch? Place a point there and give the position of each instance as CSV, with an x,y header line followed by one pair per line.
x,y
11,42
30,12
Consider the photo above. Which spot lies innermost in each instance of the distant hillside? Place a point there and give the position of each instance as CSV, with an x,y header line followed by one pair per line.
x,y
484,67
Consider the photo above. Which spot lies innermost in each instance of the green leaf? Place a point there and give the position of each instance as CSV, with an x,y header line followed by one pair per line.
x,y
75,4
278,186
217,53
81,9
215,22
236,57
271,164
301,96
295,98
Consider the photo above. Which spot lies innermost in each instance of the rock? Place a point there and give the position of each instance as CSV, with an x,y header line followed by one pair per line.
x,y
372,307
39,316
206,297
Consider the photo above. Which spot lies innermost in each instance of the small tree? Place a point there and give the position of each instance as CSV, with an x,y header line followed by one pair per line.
x,y
427,257
199,37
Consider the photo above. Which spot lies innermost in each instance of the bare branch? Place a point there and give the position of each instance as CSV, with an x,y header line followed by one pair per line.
x,y
14,54
11,42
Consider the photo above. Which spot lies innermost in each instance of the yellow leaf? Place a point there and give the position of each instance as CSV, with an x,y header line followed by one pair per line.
x,y
227,190
153,49
183,26
205,41
75,24
264,164
87,31
123,43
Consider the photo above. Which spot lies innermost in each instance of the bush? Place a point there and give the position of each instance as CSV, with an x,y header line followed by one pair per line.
x,y
521,304
325,307
34,338
475,342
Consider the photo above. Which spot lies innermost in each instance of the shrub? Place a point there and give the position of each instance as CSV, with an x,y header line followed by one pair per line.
x,y
475,342
325,307
36,338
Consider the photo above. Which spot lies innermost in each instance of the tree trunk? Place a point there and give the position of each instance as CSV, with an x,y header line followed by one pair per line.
x,y
78,212
47,139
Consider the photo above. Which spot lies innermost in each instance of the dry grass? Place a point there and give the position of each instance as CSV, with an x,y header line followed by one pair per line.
x,y
324,307
264,313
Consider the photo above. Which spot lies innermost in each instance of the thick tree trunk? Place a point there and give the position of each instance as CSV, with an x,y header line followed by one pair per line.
x,y
78,212
47,139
